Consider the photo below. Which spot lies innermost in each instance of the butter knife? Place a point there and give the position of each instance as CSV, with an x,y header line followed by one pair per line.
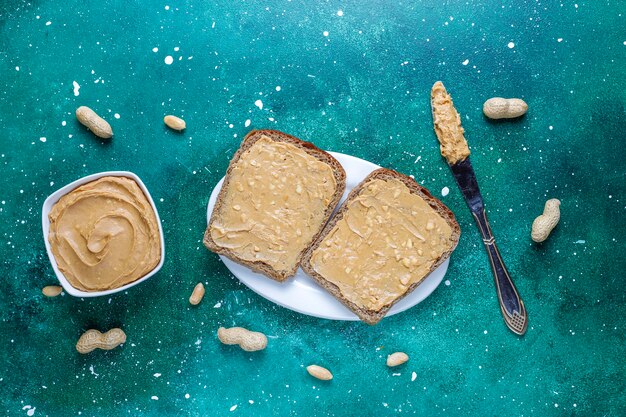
x,y
454,148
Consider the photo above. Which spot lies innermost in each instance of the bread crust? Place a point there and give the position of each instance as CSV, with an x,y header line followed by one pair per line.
x,y
277,136
373,316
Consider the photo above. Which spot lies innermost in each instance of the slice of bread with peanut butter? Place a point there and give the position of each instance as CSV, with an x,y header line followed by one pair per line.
x,y
388,236
278,194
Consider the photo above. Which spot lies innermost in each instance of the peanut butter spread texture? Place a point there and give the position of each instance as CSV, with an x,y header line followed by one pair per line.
x,y
387,239
104,234
275,203
448,125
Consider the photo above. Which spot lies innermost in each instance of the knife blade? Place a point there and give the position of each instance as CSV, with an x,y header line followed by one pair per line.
x,y
454,148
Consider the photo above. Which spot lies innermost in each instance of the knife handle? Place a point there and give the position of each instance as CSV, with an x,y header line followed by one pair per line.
x,y
511,304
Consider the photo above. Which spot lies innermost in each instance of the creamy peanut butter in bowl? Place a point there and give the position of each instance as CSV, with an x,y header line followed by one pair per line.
x,y
103,234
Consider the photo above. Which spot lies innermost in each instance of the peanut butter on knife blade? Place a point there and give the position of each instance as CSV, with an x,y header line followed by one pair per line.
x,y
448,125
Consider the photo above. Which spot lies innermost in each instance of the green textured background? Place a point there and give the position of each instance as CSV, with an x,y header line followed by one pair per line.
x,y
363,90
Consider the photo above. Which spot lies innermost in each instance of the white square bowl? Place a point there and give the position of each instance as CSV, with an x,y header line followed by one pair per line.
x,y
45,221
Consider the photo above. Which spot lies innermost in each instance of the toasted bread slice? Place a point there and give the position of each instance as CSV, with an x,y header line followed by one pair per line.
x,y
386,238
278,194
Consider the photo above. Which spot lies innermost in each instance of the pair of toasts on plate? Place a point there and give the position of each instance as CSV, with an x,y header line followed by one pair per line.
x,y
272,215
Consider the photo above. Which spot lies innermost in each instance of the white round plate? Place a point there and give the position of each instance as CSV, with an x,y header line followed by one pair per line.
x,y
301,293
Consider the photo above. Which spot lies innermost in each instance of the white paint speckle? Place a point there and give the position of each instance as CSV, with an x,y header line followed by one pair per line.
x,y
17,68
168,60
167,7
31,411
177,48
42,139
116,115
217,305
485,332
154,397
247,123
559,40
325,33
447,282
278,88
251,401
580,242
466,62
511,45
550,127
156,375
48,23
339,13
155,49
413,376
187,396
63,123
233,408
259,104
445,191
76,88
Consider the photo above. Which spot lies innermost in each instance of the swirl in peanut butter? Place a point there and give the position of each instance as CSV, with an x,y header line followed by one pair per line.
x,y
387,240
104,234
448,125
